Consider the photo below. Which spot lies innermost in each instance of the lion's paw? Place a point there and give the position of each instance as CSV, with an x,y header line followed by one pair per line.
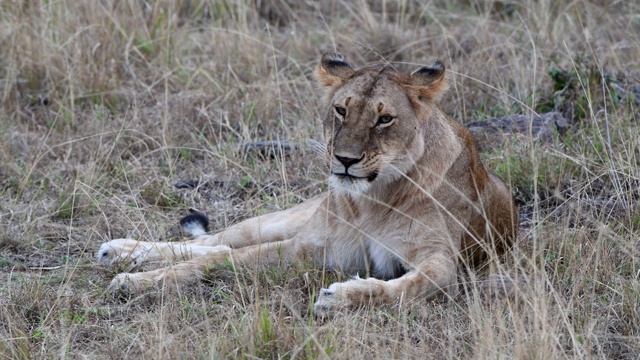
x,y
329,302
125,285
120,250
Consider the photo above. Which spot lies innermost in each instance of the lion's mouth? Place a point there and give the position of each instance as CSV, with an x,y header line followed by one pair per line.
x,y
347,176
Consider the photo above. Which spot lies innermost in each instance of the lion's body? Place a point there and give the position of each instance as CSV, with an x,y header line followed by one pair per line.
x,y
409,197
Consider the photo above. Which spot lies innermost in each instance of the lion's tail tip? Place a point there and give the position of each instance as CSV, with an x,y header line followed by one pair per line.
x,y
194,224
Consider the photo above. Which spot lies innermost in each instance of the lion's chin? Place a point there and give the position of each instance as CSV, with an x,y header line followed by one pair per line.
x,y
350,184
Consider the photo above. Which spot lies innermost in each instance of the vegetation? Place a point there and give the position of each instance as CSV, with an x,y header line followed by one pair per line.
x,y
107,104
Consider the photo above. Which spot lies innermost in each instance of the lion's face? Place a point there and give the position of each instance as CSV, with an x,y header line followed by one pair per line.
x,y
371,131
373,121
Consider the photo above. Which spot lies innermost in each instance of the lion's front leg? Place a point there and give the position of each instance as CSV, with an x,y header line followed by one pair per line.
x,y
436,274
267,228
137,252
252,257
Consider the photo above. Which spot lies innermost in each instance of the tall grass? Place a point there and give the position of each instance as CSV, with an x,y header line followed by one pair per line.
x,y
106,104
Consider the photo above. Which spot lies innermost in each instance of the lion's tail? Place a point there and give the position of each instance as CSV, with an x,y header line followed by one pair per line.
x,y
195,224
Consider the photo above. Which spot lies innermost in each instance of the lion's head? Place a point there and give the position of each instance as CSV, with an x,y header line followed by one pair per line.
x,y
374,120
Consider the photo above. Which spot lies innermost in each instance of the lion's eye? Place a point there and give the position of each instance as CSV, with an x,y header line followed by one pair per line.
x,y
341,111
385,119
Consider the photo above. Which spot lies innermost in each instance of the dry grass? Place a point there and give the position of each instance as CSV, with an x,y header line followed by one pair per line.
x,y
106,104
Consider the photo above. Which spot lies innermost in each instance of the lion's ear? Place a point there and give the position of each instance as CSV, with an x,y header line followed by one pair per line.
x,y
333,70
430,81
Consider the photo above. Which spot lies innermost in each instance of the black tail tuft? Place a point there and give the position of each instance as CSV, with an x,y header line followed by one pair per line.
x,y
195,224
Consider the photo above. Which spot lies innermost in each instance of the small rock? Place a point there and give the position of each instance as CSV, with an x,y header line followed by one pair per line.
x,y
491,132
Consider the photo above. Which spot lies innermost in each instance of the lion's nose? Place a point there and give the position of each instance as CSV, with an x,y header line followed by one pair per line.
x,y
348,161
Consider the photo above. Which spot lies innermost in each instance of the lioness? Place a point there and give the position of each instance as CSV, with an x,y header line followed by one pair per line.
x,y
409,198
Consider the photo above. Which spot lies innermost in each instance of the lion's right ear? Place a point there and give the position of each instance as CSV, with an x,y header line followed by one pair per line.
x,y
333,70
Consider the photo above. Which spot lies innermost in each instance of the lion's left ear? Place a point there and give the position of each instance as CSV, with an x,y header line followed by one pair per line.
x,y
430,81
333,70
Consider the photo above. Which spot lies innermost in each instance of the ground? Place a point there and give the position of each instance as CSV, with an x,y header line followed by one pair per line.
x,y
107,105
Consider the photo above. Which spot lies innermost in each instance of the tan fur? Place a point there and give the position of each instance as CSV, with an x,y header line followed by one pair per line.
x,y
409,197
